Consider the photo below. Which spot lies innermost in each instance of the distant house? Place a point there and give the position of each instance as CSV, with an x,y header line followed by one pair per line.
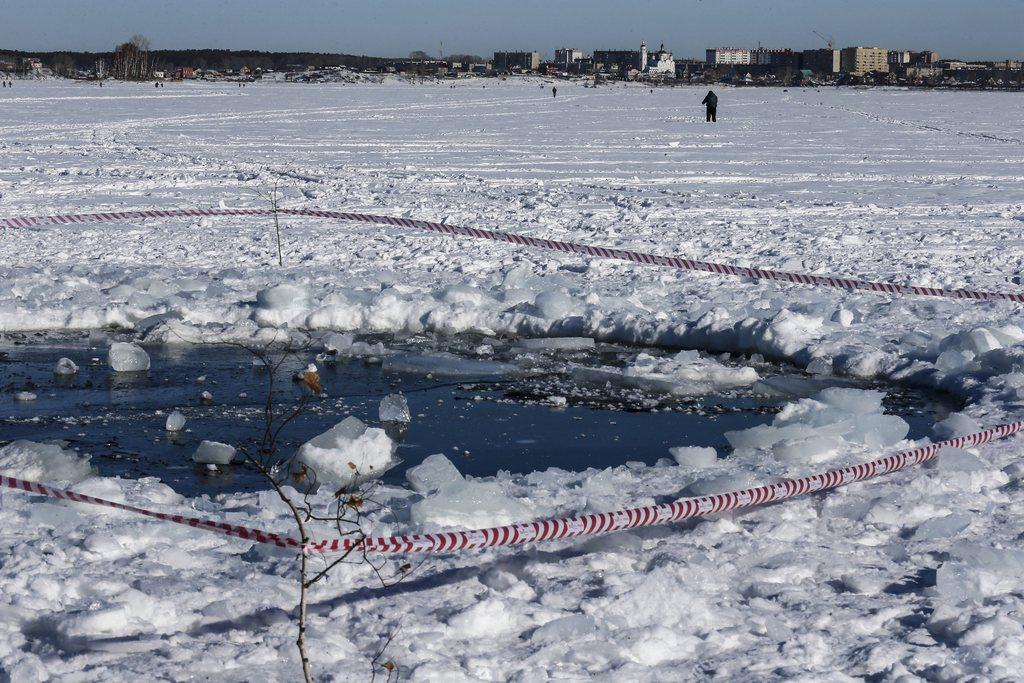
x,y
184,73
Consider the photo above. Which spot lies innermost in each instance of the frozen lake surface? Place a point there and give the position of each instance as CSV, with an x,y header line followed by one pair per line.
x,y
915,575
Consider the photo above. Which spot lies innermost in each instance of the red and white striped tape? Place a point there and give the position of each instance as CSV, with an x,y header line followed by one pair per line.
x,y
522,240
569,527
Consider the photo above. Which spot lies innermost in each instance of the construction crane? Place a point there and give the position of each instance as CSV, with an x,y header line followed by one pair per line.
x,y
828,39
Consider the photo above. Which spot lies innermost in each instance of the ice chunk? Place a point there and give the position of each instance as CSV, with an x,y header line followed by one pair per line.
x,y
687,373
957,424
556,344
43,462
446,364
65,366
975,572
394,408
25,396
693,456
472,504
958,460
458,502
337,342
127,357
436,471
213,453
977,341
943,527
820,428
175,422
347,453
281,304
722,483
813,449
553,304
857,401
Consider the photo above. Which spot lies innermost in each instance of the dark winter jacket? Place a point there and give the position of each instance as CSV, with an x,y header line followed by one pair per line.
x,y
711,99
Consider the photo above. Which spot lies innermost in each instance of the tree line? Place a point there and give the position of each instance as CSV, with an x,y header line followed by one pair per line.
x,y
139,62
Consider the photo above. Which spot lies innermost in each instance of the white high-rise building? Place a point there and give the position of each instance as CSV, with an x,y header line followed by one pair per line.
x,y
727,55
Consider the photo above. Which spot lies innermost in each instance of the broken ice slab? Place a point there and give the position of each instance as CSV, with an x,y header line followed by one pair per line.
x,y
394,408
556,344
447,365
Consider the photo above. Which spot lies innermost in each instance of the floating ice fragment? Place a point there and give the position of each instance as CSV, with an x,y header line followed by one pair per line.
x,y
446,364
127,357
394,408
175,422
213,453
25,396
65,366
557,343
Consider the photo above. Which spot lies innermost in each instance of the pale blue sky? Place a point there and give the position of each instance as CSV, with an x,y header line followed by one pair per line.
x,y
967,28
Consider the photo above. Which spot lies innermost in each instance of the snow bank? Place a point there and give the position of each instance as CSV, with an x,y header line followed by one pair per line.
x,y
43,463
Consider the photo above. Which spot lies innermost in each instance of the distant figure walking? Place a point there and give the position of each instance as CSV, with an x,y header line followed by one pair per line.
x,y
554,91
711,101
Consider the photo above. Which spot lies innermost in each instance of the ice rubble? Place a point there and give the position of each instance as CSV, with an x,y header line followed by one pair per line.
x,y
345,344
347,453
818,429
43,462
451,500
685,373
127,357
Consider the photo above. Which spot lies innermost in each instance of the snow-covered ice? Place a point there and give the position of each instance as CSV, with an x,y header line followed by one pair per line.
x,y
214,453
347,453
913,575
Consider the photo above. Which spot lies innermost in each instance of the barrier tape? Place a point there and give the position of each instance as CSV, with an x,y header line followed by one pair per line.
x,y
540,243
569,527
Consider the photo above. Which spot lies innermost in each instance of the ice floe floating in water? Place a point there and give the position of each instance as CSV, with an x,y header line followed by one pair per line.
x,y
65,366
394,408
214,453
127,357
175,422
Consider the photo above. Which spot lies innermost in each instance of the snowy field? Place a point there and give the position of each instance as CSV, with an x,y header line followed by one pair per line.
x,y
918,574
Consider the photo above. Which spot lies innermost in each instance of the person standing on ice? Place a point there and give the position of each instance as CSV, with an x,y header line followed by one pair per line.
x,y
554,91
711,101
